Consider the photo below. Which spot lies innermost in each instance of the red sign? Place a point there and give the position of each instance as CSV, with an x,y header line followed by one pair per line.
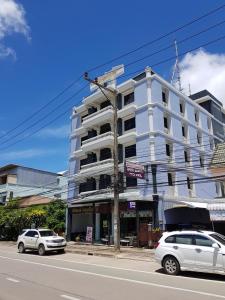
x,y
134,170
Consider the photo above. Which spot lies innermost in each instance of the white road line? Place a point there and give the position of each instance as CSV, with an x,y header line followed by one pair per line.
x,y
12,280
119,278
69,297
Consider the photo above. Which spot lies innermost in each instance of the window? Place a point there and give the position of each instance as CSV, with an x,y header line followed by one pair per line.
x,y
199,138
129,124
82,187
165,122
31,233
104,182
183,131
170,239
168,152
201,161
165,97
182,108
196,116
130,151
170,179
105,104
189,183
47,233
128,98
202,241
186,239
130,181
105,153
105,128
186,156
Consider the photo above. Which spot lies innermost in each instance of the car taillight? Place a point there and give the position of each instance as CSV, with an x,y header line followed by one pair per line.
x,y
156,245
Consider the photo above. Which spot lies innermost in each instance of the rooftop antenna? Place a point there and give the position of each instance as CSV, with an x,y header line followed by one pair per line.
x,y
176,69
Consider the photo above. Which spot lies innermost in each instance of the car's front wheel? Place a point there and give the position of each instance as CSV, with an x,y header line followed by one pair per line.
x,y
21,248
171,265
41,250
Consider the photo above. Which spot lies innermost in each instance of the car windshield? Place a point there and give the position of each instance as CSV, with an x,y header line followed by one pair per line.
x,y
47,233
219,237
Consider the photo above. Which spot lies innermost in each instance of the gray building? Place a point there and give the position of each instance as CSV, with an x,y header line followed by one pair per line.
x,y
19,181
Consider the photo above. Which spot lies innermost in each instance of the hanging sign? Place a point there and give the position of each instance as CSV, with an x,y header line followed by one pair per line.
x,y
134,170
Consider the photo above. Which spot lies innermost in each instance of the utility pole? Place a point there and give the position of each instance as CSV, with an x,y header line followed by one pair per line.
x,y
116,221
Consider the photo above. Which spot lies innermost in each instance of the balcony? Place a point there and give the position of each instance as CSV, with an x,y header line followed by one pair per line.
x,y
99,167
128,136
100,116
100,141
127,110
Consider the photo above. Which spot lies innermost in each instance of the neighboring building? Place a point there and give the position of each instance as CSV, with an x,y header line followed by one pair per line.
x,y
157,125
215,108
19,181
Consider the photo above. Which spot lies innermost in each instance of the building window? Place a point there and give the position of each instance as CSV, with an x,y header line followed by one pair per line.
x,y
130,151
131,182
165,122
197,117
211,144
129,124
182,107
186,156
105,153
184,131
201,161
168,149
105,128
199,138
165,97
128,98
105,104
170,179
189,183
209,123
104,182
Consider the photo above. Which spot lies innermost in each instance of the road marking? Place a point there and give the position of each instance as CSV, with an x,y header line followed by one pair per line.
x,y
12,280
69,297
118,278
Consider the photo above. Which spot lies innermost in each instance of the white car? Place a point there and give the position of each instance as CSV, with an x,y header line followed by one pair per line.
x,y
42,240
201,251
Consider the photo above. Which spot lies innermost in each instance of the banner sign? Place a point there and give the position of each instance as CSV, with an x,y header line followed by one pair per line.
x,y
89,234
134,170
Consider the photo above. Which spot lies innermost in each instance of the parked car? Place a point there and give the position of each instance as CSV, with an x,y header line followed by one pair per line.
x,y
42,240
200,251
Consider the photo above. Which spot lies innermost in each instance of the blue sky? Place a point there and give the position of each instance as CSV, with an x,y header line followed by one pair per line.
x,y
50,43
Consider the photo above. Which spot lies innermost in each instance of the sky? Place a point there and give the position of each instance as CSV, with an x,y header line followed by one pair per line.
x,y
46,45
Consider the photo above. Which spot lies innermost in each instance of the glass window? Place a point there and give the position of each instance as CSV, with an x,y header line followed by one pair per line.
x,y
129,124
130,181
170,239
186,239
47,233
31,233
130,151
170,179
128,98
203,241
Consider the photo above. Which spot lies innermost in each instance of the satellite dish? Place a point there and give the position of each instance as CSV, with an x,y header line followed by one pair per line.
x,y
108,77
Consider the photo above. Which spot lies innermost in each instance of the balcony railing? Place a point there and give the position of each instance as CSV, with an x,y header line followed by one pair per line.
x,y
97,137
97,113
97,164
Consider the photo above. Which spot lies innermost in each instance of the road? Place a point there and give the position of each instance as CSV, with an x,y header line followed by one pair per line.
x,y
81,277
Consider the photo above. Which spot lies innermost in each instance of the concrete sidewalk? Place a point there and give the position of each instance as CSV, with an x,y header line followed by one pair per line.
x,y
108,251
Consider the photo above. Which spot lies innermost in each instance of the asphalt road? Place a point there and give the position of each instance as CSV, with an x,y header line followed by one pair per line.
x,y
81,277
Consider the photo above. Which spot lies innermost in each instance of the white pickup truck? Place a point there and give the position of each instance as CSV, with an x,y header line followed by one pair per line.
x,y
42,240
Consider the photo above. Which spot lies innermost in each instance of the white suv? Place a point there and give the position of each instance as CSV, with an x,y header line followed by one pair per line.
x,y
201,251
43,240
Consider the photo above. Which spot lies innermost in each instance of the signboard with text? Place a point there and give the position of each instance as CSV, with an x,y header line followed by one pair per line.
x,y
134,170
89,234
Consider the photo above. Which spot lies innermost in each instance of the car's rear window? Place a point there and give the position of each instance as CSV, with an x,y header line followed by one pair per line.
x,y
47,233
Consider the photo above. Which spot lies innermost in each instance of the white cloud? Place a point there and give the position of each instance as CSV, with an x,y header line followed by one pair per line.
x,y
56,132
204,70
26,154
12,20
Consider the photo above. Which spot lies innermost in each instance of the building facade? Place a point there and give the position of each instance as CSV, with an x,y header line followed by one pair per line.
x,y
19,182
159,128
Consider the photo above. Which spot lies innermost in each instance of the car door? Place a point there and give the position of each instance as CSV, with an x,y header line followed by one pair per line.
x,y
33,238
30,239
207,258
182,247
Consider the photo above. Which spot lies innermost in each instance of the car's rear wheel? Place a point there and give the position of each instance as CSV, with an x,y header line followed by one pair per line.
x,y
41,250
21,248
171,265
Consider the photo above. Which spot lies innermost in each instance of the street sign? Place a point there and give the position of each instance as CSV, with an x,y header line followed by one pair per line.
x,y
89,234
134,170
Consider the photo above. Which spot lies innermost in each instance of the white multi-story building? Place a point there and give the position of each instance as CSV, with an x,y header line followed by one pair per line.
x,y
157,125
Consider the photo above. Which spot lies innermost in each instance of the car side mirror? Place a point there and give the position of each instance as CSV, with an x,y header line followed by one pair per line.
x,y
215,246
36,236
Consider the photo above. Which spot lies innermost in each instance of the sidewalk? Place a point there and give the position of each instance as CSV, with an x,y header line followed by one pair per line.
x,y
108,251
